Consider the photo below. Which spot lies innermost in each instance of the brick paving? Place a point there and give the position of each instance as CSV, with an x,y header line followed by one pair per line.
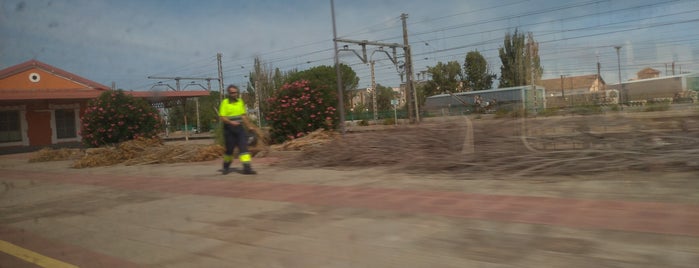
x,y
651,217
179,216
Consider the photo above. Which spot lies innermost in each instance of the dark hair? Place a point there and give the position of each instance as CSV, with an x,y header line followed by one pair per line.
x,y
232,86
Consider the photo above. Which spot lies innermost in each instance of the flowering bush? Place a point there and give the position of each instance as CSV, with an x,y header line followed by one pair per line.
x,y
297,109
115,117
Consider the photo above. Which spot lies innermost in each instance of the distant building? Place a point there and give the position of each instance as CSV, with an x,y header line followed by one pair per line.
x,y
648,73
41,105
666,87
363,97
573,85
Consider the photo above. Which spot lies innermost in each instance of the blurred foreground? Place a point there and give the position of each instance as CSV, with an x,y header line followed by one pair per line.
x,y
596,191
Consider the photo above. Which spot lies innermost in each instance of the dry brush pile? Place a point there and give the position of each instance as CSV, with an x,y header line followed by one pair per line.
x,y
499,148
135,152
551,146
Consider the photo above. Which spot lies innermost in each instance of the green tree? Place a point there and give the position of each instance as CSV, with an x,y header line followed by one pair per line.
x,y
384,95
445,78
477,73
520,60
114,117
261,85
207,113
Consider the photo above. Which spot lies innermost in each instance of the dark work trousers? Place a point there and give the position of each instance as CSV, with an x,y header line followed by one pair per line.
x,y
235,136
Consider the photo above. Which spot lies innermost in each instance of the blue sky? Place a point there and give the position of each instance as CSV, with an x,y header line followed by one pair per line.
x,y
126,41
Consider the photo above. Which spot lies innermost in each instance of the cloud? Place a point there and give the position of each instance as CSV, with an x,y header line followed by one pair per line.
x,y
127,40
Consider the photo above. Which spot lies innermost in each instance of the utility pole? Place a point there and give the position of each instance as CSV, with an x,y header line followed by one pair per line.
x,y
364,59
184,103
621,86
257,102
563,94
673,67
530,46
220,77
373,90
340,92
411,95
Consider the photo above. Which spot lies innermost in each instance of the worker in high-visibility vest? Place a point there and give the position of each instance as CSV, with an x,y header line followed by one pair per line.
x,y
233,115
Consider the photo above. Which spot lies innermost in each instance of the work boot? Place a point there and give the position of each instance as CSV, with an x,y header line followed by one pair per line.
x,y
226,168
247,169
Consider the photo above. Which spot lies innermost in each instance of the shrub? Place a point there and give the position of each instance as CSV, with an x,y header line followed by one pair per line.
x,y
587,110
114,117
500,113
657,106
549,112
297,109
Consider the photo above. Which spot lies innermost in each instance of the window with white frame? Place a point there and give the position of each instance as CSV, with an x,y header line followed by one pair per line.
x,y
65,124
10,126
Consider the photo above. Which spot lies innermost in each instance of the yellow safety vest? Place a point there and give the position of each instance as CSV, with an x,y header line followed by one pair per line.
x,y
233,111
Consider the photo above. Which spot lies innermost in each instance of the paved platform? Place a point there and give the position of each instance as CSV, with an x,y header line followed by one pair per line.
x,y
189,215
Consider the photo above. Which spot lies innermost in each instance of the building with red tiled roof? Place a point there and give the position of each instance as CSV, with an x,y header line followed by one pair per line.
x,y
40,105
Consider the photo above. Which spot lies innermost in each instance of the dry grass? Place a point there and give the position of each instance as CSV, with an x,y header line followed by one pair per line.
x,y
48,154
312,140
585,145
134,152
551,146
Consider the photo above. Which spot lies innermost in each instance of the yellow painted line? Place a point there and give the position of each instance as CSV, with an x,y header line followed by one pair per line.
x,y
31,256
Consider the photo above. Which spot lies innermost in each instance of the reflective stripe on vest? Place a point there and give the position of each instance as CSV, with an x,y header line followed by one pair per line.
x,y
233,111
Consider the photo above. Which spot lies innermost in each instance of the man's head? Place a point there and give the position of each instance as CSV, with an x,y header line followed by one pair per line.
x,y
232,92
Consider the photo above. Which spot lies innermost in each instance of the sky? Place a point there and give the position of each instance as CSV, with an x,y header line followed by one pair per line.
x,y
123,42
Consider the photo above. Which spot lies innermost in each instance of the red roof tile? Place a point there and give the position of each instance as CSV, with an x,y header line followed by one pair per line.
x,y
91,90
49,94
57,71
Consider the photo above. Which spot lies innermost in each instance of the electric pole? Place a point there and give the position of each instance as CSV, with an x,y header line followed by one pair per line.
x,y
411,95
220,77
563,92
363,57
621,86
340,91
184,103
373,90
257,102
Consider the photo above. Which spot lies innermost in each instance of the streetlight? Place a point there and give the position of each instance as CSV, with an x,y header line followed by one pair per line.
x,y
621,86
